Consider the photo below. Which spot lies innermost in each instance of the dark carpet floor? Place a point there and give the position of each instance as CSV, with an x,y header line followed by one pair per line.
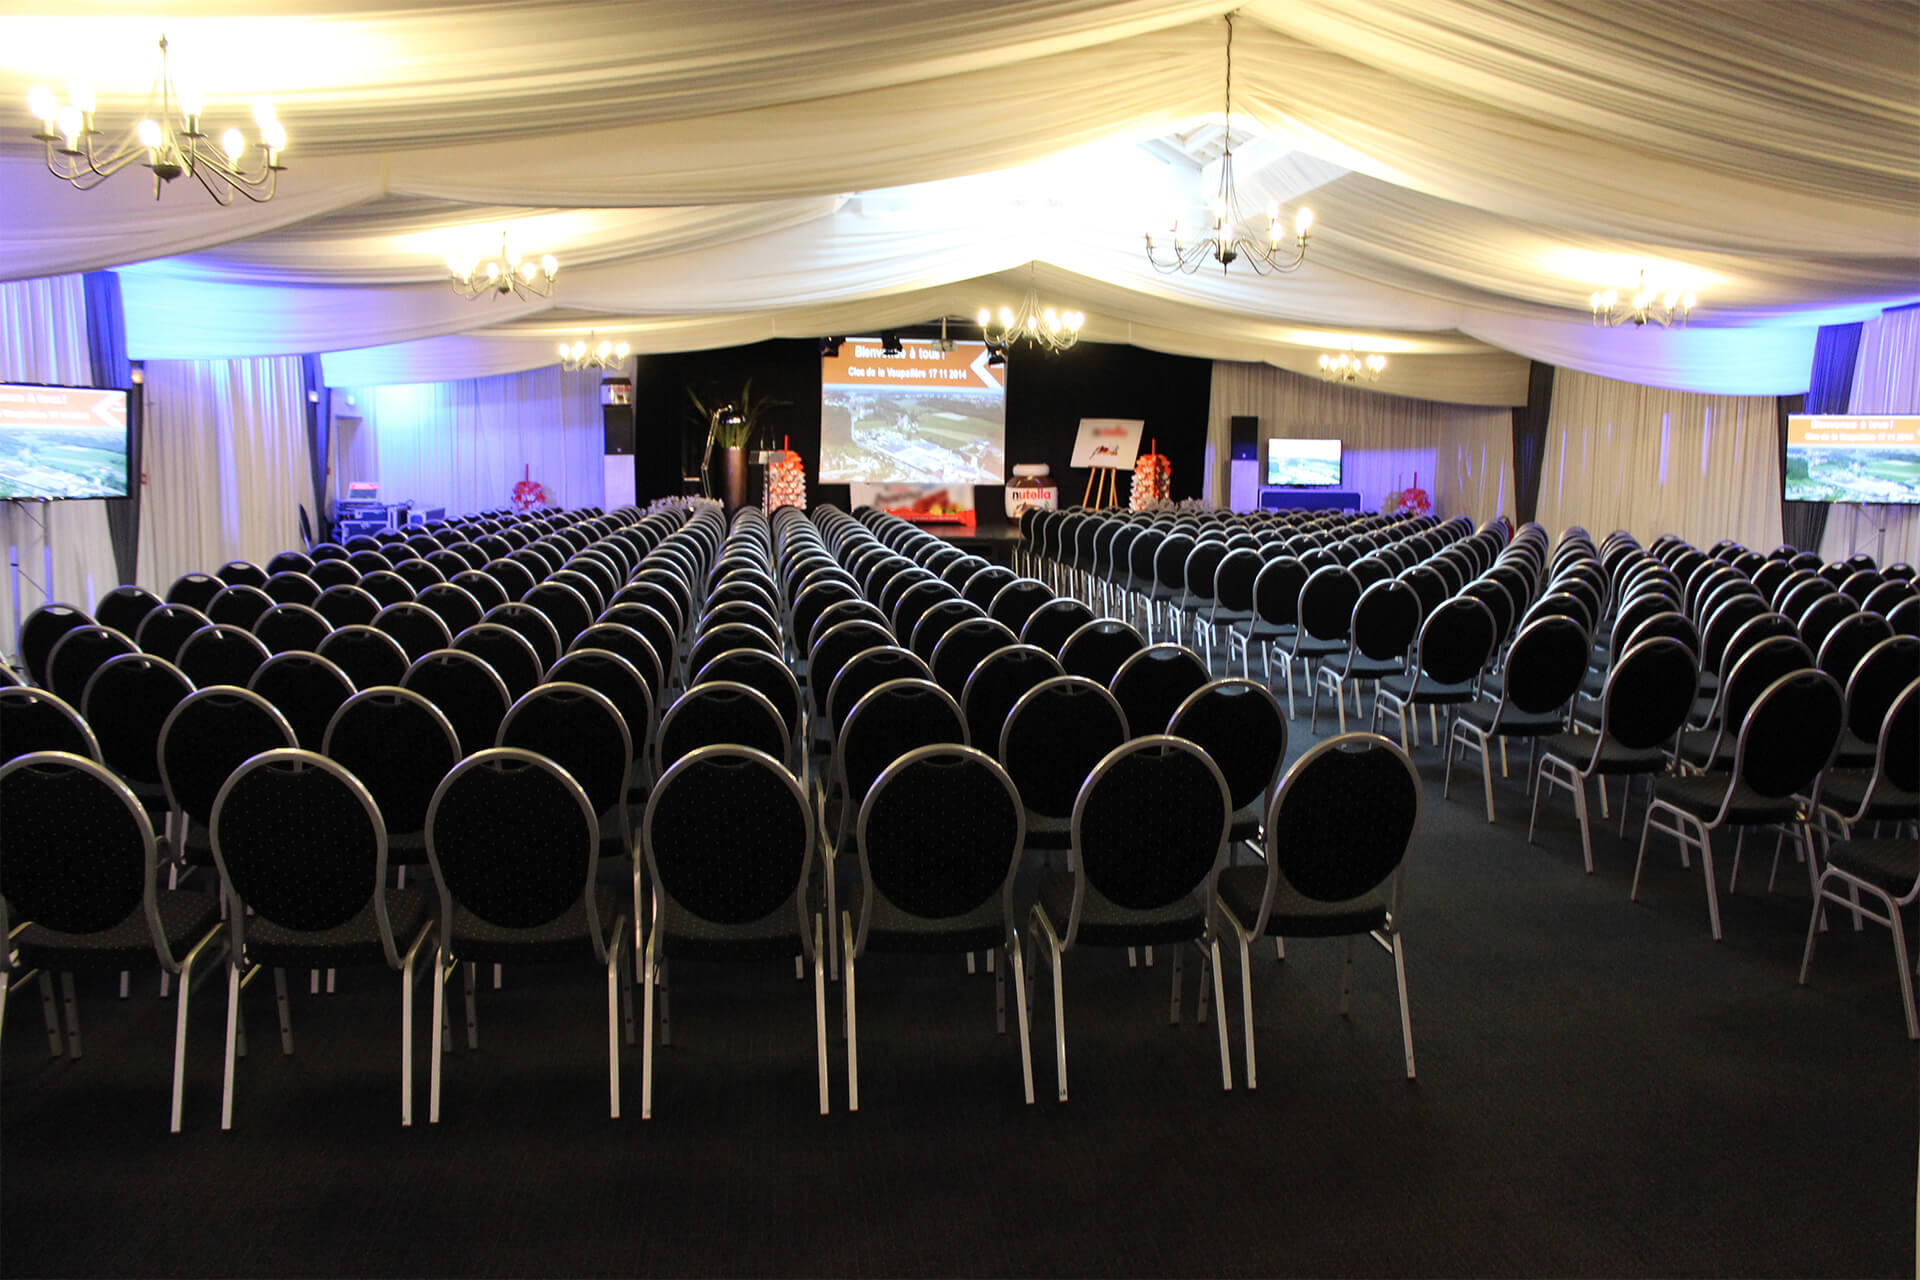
x,y
1602,1090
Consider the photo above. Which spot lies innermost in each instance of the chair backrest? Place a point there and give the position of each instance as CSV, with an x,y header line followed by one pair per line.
x,y
347,604
1341,822
1823,616
399,745
1233,580
207,736
887,722
939,836
1054,736
164,630
728,635
466,689
78,654
760,671
1757,669
1790,734
564,606
618,680
506,651
996,684
1645,702
866,671
985,584
1050,626
457,607
1276,591
368,657
77,853
940,617
722,712
1456,640
306,689
124,608
300,843
534,627
1240,725
1015,602
1153,683
1877,680
125,703
740,613
1202,563
729,837
1848,642
1326,605
417,573
963,648
196,589
513,840
580,730
1386,620
418,628
292,587
39,720
1546,665
218,654
1099,648
834,649
1149,826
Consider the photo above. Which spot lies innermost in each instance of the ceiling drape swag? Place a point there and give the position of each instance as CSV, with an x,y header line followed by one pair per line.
x,y
1886,379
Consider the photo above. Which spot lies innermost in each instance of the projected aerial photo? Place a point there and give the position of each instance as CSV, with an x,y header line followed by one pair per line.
x,y
925,436
63,462
1852,474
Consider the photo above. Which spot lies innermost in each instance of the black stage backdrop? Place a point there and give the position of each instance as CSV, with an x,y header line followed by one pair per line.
x,y
1047,395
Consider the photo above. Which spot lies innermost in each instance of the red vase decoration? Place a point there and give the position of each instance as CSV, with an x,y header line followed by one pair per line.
x,y
786,480
530,493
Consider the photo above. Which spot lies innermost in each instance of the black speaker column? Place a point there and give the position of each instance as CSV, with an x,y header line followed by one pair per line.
x,y
1245,439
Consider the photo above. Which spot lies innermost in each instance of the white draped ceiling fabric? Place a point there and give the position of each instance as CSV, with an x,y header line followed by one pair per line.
x,y
716,174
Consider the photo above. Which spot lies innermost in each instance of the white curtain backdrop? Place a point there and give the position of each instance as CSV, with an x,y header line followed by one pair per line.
x,y
1622,456
226,459
465,445
1886,379
1460,454
43,338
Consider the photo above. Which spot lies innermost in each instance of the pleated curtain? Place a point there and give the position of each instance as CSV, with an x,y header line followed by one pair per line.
x,y
43,338
1652,461
465,445
1462,455
227,469
1886,379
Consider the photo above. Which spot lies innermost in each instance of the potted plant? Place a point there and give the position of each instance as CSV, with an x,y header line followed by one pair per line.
x,y
731,425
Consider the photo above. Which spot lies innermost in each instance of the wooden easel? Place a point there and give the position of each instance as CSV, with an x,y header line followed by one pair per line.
x,y
1100,481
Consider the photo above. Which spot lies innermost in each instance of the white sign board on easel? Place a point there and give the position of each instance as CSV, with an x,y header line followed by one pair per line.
x,y
1107,442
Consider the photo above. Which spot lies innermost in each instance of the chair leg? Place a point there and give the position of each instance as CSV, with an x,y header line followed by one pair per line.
x,y
1017,958
853,1030
286,1013
820,1014
1580,812
1220,1023
72,1003
613,1029
440,961
1813,928
1173,1018
180,1022
473,1009
646,1027
56,1042
1038,920
233,1025
1406,1015
406,1026
1346,981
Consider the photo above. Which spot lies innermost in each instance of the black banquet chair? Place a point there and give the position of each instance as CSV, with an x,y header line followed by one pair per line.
x,y
1336,842
1148,829
939,838
303,860
79,892
515,853
728,837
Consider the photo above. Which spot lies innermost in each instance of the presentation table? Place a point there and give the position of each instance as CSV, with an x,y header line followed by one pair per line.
x,y
1272,499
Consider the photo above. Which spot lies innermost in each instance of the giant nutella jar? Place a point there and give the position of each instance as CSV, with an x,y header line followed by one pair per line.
x,y
1032,489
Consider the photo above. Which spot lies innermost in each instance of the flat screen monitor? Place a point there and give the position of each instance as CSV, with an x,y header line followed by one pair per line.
x,y
912,412
1853,457
1303,464
63,442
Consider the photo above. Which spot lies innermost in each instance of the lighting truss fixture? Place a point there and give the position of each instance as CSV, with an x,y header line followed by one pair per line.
x,y
1346,366
171,141
1667,309
510,273
1043,326
1229,236
593,352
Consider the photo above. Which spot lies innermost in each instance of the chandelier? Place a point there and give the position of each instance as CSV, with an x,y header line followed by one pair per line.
x,y
1669,308
1042,326
588,353
171,142
1228,235
1345,366
510,273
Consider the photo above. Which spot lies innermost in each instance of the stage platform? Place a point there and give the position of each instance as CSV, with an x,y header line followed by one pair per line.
x,y
1309,499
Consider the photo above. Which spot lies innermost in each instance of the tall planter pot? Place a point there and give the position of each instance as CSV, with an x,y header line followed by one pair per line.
x,y
735,473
